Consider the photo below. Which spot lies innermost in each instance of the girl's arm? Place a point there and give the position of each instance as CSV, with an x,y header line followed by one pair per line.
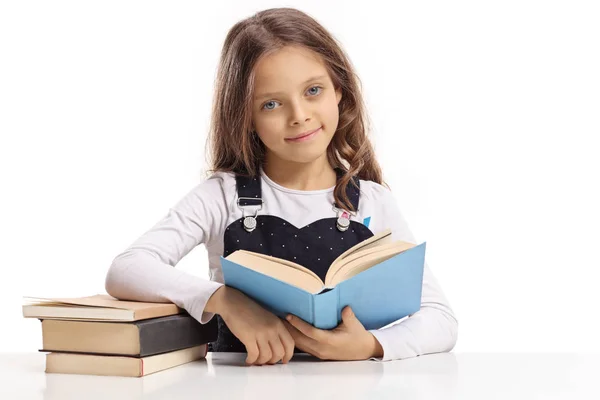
x,y
144,271
432,329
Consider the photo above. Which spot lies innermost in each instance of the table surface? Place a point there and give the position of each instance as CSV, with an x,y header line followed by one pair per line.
x,y
224,375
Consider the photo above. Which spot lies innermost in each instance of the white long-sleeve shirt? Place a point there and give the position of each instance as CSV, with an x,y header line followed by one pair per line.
x,y
144,271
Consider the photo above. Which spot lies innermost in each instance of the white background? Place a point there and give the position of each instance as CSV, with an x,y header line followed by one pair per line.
x,y
486,123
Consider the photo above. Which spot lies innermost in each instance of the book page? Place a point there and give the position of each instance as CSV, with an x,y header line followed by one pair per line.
x,y
367,259
100,300
287,263
277,268
363,253
382,238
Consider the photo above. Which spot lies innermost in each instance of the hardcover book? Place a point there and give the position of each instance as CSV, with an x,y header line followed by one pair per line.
x,y
379,278
91,364
137,339
100,307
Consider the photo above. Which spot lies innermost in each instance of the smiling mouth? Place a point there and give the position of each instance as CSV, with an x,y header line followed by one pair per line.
x,y
305,137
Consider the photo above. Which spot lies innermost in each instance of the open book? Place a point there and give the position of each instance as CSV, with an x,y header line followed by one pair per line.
x,y
379,278
356,259
99,307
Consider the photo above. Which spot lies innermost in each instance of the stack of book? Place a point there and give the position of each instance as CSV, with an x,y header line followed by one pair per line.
x,y
101,335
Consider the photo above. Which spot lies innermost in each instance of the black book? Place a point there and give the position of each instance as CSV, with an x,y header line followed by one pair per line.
x,y
136,338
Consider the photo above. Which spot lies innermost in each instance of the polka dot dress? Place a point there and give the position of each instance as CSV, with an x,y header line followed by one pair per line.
x,y
313,246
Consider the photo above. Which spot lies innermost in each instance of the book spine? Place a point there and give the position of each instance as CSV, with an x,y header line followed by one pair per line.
x,y
326,309
166,334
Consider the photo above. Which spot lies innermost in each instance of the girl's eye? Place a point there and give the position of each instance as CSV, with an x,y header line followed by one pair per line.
x,y
316,87
265,106
313,95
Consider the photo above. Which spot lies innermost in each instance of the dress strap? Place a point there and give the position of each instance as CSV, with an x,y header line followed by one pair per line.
x,y
249,190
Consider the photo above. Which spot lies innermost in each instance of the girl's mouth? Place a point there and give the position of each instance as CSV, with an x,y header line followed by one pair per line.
x,y
306,137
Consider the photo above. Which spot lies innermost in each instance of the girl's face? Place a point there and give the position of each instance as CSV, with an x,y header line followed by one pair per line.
x,y
294,95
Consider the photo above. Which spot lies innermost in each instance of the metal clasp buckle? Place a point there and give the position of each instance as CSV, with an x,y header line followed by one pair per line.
x,y
342,222
250,221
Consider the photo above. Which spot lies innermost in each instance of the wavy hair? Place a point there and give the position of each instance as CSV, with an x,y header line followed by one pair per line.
x,y
234,147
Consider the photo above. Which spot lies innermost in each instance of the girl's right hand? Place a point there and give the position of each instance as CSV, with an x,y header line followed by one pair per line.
x,y
266,338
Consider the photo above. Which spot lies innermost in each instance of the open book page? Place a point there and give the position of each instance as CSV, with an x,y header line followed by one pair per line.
x,y
98,300
295,274
341,266
364,260
382,238
284,262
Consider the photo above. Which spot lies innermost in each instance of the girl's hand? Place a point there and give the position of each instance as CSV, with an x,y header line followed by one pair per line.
x,y
348,341
263,333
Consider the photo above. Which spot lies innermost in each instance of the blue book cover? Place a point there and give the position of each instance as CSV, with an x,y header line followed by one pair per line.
x,y
379,294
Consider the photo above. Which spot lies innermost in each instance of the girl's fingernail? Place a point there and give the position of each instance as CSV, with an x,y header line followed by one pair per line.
x,y
289,317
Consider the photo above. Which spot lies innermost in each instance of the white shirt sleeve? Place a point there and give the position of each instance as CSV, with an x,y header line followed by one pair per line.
x,y
432,329
145,270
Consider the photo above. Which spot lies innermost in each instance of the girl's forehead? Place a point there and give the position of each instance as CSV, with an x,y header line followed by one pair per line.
x,y
289,65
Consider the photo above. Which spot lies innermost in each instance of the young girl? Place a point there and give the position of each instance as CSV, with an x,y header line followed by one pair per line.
x,y
291,163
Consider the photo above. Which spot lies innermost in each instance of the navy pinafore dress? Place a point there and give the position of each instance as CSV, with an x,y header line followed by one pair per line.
x,y
314,246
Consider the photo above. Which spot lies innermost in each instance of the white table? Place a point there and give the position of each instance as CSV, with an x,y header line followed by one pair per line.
x,y
224,375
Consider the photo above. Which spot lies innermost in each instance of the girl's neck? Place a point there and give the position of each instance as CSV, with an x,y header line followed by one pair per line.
x,y
315,175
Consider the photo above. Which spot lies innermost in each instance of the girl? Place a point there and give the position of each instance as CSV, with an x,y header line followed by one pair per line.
x,y
290,155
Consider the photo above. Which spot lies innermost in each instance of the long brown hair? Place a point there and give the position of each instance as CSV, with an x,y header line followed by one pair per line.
x,y
233,146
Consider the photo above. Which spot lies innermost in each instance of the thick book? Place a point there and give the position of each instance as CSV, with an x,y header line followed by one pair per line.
x,y
138,338
100,307
91,364
379,278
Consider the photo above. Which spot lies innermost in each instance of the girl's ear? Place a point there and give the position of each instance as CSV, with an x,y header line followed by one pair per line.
x,y
338,95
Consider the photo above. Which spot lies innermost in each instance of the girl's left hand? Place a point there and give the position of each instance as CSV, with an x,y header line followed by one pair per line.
x,y
348,341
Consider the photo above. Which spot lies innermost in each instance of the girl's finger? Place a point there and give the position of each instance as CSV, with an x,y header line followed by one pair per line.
x,y
264,351
306,328
277,350
252,350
